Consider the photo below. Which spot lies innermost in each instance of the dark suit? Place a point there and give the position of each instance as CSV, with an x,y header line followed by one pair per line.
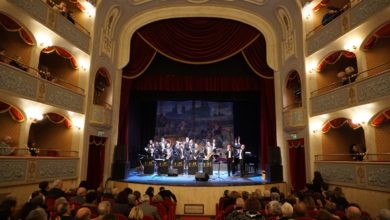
x,y
241,159
230,161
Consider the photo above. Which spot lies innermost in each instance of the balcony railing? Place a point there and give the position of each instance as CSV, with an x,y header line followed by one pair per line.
x,y
101,116
25,82
294,118
382,157
23,169
371,175
75,33
350,19
336,96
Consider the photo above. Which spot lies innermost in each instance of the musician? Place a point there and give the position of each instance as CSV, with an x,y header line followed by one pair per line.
x,y
230,159
169,153
210,151
198,151
241,159
237,143
150,149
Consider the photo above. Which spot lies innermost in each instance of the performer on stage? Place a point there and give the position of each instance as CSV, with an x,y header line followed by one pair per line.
x,y
241,159
210,151
230,159
169,153
150,150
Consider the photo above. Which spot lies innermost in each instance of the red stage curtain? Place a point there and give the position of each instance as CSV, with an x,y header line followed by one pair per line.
x,y
96,155
10,25
337,123
297,164
380,118
194,40
333,58
321,4
14,112
58,119
63,53
384,31
200,41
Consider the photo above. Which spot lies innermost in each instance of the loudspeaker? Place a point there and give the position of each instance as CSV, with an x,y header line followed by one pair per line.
x,y
274,156
274,173
201,177
173,172
120,170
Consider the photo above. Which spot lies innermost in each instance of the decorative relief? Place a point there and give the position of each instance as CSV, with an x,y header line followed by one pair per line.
x,y
288,44
52,169
17,82
66,29
64,98
324,36
12,171
373,88
337,173
100,116
379,176
38,9
31,171
345,23
365,9
294,118
41,91
109,30
330,101
361,174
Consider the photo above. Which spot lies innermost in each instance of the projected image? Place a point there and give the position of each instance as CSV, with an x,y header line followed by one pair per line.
x,y
200,120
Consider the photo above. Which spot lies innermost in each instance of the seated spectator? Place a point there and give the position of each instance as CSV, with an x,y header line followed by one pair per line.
x,y
384,214
64,212
37,214
332,13
17,62
339,199
351,73
43,187
273,210
121,204
6,146
150,192
91,202
137,195
83,214
287,211
167,194
80,196
238,211
353,213
136,213
252,209
8,208
56,191
157,201
324,215
103,209
149,209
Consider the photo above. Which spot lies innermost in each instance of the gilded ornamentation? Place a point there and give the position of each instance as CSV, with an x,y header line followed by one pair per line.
x,y
288,44
373,88
108,31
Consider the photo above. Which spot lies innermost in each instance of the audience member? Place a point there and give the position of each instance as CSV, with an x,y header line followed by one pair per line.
x,y
238,211
136,213
332,13
252,210
37,214
110,216
43,187
150,192
83,214
384,214
287,211
323,214
121,204
165,193
339,199
353,213
8,208
149,209
64,212
80,196
103,209
273,210
56,191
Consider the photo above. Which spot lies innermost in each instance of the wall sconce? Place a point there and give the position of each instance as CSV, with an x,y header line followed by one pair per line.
x,y
43,40
310,67
78,122
315,131
34,115
84,65
89,9
307,11
351,45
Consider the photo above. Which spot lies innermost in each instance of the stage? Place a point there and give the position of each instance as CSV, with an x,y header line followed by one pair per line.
x,y
221,179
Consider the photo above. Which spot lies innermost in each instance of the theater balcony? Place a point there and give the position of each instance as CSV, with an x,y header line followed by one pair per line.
x,y
366,90
352,16
27,84
372,173
21,168
77,33
101,116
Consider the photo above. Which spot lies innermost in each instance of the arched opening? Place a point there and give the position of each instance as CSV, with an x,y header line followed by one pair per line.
x,y
293,91
15,43
102,88
337,69
381,122
376,47
339,135
96,160
51,135
59,66
10,123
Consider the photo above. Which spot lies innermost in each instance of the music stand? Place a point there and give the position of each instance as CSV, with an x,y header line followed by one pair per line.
x,y
219,169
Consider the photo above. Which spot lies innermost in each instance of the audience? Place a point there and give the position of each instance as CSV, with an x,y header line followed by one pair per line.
x,y
384,214
149,209
8,208
83,214
136,213
56,191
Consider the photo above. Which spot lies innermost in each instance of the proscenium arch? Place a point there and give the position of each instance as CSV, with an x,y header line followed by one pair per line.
x,y
147,17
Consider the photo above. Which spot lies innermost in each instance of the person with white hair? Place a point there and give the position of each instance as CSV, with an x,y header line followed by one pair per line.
x,y
149,209
79,198
37,214
56,190
287,211
384,214
103,209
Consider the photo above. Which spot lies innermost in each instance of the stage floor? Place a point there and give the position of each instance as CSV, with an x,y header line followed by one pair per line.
x,y
221,179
